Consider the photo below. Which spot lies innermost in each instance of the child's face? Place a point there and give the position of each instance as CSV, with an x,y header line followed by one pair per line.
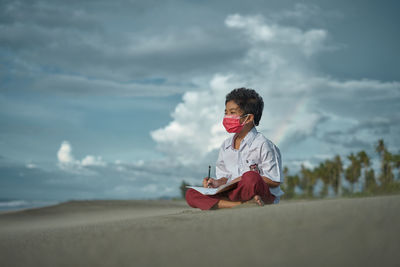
x,y
231,108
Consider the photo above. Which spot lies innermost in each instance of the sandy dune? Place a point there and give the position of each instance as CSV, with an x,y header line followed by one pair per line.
x,y
337,232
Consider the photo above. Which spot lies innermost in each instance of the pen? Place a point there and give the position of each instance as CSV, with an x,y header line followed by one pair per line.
x,y
209,173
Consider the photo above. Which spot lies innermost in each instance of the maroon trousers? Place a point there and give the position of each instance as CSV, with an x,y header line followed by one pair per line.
x,y
250,185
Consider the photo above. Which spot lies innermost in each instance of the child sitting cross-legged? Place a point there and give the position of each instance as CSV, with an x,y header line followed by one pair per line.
x,y
247,156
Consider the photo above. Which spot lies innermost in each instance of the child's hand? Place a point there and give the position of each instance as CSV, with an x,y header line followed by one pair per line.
x,y
210,182
205,182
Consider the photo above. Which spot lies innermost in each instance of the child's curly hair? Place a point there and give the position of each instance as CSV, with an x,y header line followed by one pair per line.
x,y
248,100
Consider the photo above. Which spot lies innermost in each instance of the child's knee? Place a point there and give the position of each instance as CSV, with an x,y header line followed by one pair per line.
x,y
251,177
189,193
189,196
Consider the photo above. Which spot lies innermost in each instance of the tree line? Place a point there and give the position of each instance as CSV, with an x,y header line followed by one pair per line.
x,y
332,172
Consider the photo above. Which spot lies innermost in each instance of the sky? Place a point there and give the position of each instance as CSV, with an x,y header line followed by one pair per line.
x,y
125,99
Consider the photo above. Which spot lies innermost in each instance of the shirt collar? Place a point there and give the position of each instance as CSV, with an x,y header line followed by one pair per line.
x,y
248,139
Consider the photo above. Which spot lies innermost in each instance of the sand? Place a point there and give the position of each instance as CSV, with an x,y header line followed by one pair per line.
x,y
335,232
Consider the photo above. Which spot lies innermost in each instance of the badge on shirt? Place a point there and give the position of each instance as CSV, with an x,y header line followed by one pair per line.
x,y
253,166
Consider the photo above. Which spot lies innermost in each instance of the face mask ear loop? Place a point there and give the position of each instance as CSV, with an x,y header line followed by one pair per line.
x,y
253,120
247,115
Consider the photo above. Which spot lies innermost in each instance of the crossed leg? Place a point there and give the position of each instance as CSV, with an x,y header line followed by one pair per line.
x,y
250,189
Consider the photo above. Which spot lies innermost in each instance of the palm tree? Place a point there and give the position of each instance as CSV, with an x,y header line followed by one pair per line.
x,y
396,163
353,171
386,176
370,182
291,183
365,163
337,176
330,173
364,158
325,172
380,148
321,173
308,181
285,177
183,189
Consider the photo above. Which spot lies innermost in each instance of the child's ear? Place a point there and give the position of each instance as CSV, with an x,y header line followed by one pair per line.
x,y
251,117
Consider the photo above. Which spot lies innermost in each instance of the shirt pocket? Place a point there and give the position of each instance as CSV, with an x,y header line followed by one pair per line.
x,y
251,158
251,161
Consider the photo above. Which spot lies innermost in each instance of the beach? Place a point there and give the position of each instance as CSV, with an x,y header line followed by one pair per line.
x,y
330,232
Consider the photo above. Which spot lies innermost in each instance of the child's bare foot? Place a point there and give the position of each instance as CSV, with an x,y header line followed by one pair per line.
x,y
257,200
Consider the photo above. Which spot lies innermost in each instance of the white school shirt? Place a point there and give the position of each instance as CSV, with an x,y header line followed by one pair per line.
x,y
254,148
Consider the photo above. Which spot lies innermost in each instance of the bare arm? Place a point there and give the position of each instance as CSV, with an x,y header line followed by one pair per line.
x,y
211,182
270,183
216,183
223,180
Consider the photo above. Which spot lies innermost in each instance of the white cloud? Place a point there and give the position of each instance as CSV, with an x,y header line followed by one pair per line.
x,y
31,166
300,12
196,118
64,154
90,160
306,163
307,113
46,43
73,84
298,99
66,160
309,42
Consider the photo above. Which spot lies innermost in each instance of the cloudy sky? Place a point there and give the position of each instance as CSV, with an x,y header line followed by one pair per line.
x,y
124,99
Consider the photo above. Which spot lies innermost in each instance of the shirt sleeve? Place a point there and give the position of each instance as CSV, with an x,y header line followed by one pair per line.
x,y
220,168
271,163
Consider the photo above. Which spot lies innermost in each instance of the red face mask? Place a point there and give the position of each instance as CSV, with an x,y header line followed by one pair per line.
x,y
232,123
